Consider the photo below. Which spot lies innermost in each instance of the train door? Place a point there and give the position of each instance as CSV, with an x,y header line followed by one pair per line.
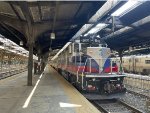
x,y
133,64
137,63
77,48
130,64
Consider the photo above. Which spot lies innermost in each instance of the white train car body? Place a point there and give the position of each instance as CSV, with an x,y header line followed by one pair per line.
x,y
137,64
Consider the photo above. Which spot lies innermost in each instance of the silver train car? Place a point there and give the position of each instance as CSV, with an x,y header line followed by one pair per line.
x,y
137,64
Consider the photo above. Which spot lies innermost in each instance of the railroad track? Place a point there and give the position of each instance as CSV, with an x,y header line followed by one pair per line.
x,y
114,106
7,74
139,94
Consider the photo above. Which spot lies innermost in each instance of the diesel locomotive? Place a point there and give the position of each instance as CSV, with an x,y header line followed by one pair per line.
x,y
90,69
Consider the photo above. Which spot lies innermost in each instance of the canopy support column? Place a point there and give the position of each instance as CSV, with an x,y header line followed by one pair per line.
x,y
30,64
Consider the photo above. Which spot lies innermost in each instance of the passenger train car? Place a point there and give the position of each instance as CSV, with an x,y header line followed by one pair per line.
x,y
11,60
137,64
90,69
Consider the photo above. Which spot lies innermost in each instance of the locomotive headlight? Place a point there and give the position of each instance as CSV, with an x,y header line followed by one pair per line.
x,y
118,85
93,79
118,79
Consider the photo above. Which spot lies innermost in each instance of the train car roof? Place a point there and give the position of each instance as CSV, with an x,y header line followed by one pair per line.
x,y
14,47
138,56
61,50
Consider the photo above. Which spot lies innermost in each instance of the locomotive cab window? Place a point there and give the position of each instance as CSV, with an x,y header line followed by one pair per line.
x,y
84,47
147,61
76,47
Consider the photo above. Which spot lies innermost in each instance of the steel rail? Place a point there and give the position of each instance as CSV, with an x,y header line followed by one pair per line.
x,y
100,105
139,94
7,74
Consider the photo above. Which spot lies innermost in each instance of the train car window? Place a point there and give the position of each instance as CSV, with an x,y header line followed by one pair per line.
x,y
81,59
147,61
73,59
77,58
84,47
76,47
114,64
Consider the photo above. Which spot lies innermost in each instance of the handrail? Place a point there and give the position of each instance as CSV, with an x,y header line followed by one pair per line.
x,y
78,72
83,71
84,66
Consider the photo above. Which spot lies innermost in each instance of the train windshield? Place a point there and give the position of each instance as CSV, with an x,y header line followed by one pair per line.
x,y
84,47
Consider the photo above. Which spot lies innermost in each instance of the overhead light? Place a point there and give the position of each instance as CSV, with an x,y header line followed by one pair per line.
x,y
97,28
21,43
131,4
98,36
86,34
50,49
52,36
93,30
101,25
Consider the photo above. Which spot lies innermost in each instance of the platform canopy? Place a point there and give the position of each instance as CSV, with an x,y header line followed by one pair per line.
x,y
63,18
121,24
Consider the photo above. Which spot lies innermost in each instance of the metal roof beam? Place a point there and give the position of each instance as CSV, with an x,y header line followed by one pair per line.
x,y
13,22
15,10
25,9
51,3
40,12
97,16
10,31
55,16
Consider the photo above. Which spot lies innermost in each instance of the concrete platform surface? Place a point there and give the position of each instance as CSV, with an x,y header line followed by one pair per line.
x,y
50,93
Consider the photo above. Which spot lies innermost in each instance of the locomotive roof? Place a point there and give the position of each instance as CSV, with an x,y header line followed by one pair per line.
x,y
61,50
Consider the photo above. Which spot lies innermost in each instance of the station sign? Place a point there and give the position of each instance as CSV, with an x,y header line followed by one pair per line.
x,y
85,39
96,40
90,40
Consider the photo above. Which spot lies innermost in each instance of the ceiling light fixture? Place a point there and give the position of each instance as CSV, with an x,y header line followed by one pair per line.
x,y
98,36
52,36
97,28
128,6
21,43
85,34
93,30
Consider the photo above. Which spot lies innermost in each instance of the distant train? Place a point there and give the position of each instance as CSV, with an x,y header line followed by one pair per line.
x,y
90,69
11,60
137,64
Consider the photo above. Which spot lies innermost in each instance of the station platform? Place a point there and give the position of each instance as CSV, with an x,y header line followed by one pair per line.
x,y
50,93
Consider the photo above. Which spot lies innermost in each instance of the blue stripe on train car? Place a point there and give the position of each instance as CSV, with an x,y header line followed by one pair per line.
x,y
107,64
